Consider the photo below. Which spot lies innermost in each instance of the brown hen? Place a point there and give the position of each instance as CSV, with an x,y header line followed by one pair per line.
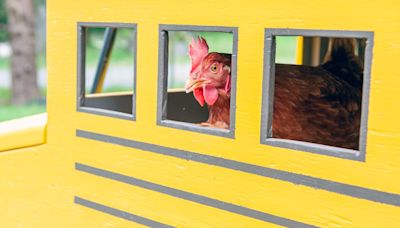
x,y
312,104
320,104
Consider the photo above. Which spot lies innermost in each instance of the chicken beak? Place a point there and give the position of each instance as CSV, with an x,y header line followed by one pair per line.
x,y
194,84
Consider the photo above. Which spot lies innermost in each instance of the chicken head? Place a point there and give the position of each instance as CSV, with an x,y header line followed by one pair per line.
x,y
210,73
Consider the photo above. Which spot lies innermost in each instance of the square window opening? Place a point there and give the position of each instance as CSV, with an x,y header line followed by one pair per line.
x,y
106,69
197,78
316,88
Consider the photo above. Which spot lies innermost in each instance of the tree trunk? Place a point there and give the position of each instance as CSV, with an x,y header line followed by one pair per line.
x,y
21,29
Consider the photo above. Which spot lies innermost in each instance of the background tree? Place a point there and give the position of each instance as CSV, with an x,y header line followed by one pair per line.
x,y
21,32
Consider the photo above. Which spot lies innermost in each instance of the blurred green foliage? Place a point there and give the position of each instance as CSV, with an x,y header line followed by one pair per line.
x,y
39,2
3,21
217,41
3,18
122,52
286,49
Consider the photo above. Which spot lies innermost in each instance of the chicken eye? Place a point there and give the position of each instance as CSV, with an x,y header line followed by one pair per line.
x,y
214,68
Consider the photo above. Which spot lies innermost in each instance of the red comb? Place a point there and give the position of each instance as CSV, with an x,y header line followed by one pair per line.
x,y
198,49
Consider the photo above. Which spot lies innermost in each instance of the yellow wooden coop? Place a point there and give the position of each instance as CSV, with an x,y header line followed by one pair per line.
x,y
139,157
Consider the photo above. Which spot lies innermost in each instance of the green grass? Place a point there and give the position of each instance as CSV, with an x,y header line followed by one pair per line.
x,y
5,95
9,111
4,63
113,89
40,62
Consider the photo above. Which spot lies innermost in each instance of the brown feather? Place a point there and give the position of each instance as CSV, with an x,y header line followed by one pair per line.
x,y
312,105
219,112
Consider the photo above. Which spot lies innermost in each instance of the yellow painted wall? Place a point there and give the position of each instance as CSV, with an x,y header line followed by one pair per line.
x,y
38,184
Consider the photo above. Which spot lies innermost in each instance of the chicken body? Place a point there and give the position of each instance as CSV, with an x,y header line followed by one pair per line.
x,y
321,104
313,105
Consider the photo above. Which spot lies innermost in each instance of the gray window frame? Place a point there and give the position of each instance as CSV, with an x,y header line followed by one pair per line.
x,y
81,52
163,80
269,86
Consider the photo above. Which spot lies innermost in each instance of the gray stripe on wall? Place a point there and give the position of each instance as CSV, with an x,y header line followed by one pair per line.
x,y
191,197
119,213
298,179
